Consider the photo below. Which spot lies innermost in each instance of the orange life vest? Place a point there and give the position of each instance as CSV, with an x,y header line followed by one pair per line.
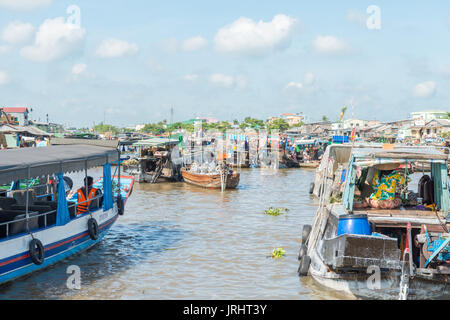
x,y
82,205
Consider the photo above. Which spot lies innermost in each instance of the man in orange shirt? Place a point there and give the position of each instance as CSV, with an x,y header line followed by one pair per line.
x,y
82,206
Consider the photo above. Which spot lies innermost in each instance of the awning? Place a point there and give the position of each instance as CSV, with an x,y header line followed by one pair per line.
x,y
156,142
18,164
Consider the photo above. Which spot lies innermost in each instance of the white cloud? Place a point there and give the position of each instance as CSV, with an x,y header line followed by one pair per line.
x,y
245,36
4,79
330,45
222,80
79,69
194,43
296,85
191,77
24,4
424,89
17,33
308,81
55,39
114,48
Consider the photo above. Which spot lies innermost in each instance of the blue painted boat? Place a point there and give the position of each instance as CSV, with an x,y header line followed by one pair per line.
x,y
36,233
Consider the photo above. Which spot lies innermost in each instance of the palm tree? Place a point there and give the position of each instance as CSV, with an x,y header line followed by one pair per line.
x,y
343,112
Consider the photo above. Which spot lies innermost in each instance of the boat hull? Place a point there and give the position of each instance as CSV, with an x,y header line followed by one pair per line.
x,y
361,285
210,181
59,242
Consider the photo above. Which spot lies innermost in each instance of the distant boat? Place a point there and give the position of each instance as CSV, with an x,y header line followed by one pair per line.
x,y
212,181
312,165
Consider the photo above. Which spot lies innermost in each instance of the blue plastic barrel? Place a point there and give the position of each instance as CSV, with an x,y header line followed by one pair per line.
x,y
354,224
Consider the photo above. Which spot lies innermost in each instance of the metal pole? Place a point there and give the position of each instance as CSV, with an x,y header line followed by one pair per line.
x,y
27,215
86,186
118,177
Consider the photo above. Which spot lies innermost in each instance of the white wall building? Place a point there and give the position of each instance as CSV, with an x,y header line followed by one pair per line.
x,y
429,115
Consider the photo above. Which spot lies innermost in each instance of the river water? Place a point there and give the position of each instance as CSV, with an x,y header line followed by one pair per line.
x,y
178,241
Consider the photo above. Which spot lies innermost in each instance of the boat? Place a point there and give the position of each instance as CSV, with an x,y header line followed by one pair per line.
x,y
309,165
375,248
211,181
154,161
38,230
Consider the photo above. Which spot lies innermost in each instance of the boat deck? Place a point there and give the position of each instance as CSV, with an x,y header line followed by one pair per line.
x,y
401,217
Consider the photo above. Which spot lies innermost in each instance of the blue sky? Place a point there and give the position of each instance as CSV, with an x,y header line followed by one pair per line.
x,y
129,62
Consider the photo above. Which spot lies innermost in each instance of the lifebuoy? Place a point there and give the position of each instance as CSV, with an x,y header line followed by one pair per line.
x,y
120,205
311,188
303,268
38,256
306,230
93,228
303,251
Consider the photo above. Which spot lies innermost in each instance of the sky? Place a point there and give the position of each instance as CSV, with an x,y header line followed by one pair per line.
x,y
130,62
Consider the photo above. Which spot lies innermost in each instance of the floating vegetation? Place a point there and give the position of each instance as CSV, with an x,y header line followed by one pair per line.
x,y
275,212
336,199
278,253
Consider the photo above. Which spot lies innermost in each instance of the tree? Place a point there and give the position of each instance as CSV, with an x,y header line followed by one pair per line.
x,y
103,128
343,112
252,123
324,118
279,124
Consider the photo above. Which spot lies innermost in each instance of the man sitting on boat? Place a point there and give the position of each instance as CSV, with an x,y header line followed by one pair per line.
x,y
92,193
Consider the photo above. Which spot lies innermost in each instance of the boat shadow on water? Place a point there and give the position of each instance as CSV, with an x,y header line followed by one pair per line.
x,y
124,247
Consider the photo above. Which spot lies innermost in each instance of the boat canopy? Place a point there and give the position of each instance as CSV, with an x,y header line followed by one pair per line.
x,y
156,142
19,164
368,157
306,142
383,159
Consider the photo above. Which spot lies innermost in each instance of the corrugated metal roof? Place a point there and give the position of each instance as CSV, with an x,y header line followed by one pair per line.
x,y
15,109
155,142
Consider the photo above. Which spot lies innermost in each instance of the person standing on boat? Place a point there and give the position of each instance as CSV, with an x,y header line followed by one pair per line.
x,y
83,204
40,142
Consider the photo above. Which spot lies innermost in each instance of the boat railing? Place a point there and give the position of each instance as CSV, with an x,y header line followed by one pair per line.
x,y
32,214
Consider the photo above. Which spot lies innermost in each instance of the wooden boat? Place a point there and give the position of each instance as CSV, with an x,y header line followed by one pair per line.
x,y
212,181
311,165
373,263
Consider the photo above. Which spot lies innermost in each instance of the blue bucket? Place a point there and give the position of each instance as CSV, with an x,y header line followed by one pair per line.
x,y
354,224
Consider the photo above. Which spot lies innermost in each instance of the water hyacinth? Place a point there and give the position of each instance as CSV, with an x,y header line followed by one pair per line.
x,y
278,253
275,212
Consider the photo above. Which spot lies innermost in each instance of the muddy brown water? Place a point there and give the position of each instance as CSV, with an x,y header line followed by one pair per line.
x,y
178,241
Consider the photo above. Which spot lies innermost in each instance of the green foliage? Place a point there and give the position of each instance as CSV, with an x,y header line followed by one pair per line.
x,y
324,118
103,128
278,124
154,128
253,123
278,253
275,212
